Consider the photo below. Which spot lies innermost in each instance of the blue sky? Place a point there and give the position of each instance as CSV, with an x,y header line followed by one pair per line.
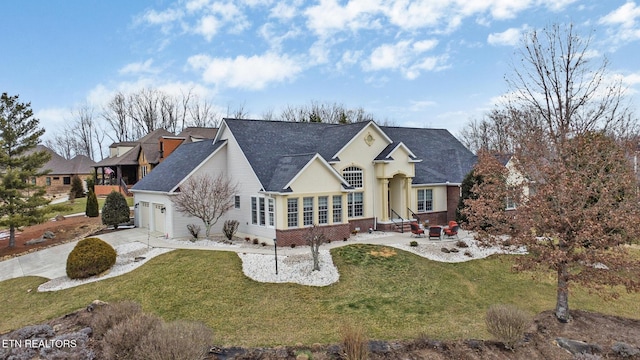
x,y
431,63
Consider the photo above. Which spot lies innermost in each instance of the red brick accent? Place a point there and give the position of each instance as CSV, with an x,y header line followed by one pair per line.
x,y
453,197
435,218
363,224
297,236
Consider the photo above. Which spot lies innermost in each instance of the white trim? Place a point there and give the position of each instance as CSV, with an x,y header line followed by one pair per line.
x,y
437,184
199,166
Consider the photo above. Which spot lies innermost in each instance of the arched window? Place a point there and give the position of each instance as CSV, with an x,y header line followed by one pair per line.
x,y
353,175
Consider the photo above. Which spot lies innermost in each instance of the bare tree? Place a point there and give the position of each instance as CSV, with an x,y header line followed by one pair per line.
x,y
84,129
315,238
202,114
206,197
332,113
238,113
116,114
63,143
574,187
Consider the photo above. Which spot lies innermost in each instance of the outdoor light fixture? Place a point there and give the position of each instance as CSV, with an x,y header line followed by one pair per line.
x,y
136,205
163,209
275,251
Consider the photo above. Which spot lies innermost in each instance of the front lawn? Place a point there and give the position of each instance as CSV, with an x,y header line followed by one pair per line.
x,y
392,293
79,206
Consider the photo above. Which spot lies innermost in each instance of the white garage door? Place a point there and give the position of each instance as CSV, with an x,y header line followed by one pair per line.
x,y
144,214
158,218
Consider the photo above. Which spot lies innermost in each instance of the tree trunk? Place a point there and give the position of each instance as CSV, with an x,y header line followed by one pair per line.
x,y
12,236
562,301
207,227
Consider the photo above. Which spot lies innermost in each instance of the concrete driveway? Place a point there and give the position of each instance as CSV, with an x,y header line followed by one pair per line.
x,y
51,263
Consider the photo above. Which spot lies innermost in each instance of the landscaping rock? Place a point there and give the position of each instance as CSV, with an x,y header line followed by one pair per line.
x,y
35,241
48,235
625,350
445,250
59,218
576,347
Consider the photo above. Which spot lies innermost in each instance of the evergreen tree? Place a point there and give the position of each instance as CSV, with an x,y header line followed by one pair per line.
x,y
115,210
77,190
22,202
91,209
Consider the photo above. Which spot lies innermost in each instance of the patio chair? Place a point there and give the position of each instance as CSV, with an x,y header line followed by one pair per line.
x,y
415,230
452,231
435,231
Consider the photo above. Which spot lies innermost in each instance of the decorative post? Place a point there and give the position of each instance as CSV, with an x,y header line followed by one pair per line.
x,y
275,251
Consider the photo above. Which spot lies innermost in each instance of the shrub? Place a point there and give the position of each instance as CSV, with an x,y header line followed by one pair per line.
x,y
194,230
354,343
229,228
115,210
255,241
92,208
106,317
178,340
293,245
90,257
77,190
507,323
413,243
121,341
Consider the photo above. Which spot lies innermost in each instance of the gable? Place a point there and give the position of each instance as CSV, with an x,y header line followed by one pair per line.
x,y
315,177
364,146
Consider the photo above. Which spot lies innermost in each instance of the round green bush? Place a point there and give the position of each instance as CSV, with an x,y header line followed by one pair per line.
x,y
90,257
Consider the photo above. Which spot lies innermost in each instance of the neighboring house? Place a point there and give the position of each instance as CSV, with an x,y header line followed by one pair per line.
x,y
190,134
61,170
292,175
127,163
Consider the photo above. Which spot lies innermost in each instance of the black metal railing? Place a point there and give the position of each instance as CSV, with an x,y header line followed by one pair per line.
x,y
401,226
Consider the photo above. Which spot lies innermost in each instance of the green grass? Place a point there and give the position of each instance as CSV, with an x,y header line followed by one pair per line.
x,y
79,206
394,297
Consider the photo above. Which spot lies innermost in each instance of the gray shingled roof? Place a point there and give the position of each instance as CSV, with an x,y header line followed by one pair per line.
x,y
444,158
265,143
194,133
168,174
58,165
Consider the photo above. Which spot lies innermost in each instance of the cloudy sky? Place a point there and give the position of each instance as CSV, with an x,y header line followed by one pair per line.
x,y
429,63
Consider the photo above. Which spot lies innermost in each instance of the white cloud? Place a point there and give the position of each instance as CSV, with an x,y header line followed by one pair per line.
x,y
207,27
404,56
51,117
139,67
509,37
196,5
328,16
162,17
625,19
252,73
283,11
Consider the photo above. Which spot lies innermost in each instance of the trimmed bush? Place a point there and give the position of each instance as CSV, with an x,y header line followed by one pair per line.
x,y
507,324
229,228
413,243
194,230
122,340
77,190
115,210
90,257
92,209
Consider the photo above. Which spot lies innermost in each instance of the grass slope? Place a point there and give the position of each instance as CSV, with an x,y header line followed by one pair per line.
x,y
393,294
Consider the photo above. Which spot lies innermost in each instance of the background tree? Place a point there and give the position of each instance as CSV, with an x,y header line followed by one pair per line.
x,y
21,201
206,198
315,238
92,207
115,210
579,201
332,113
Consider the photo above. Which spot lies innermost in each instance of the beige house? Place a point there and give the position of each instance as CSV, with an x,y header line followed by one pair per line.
x,y
343,178
58,180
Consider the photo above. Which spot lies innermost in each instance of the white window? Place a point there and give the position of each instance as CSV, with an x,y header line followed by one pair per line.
x,y
258,211
337,209
353,175
292,212
307,211
323,210
425,200
236,201
355,204
271,211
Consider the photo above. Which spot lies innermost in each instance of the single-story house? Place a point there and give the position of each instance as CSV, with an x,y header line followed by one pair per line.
x,y
342,177
61,170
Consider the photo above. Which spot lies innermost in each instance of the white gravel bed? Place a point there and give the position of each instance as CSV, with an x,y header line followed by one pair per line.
x,y
291,269
213,243
433,250
125,262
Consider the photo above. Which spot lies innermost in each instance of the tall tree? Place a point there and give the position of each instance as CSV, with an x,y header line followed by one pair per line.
x,y
21,200
206,198
571,178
